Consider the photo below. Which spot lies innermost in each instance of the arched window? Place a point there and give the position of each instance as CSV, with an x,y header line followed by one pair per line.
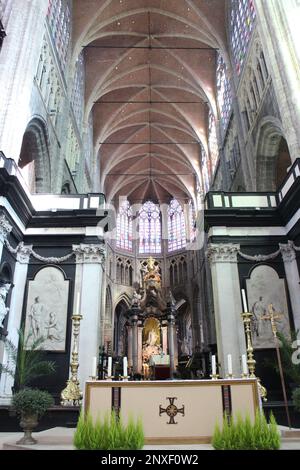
x,y
241,25
124,227
212,141
224,94
149,228
192,221
59,19
176,227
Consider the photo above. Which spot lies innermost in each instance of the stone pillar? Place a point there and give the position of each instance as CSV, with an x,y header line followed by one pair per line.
x,y
129,345
171,338
5,229
15,314
18,63
134,322
140,348
292,278
227,305
88,281
278,25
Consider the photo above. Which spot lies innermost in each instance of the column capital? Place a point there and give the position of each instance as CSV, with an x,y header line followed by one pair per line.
x,y
287,251
5,226
222,252
92,254
23,253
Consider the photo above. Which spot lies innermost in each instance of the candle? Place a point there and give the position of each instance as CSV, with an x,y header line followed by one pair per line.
x,y
213,365
109,366
229,359
94,367
125,368
244,364
77,303
245,307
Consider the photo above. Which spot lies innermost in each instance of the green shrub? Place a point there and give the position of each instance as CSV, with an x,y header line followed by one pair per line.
x,y
241,434
31,401
109,433
296,398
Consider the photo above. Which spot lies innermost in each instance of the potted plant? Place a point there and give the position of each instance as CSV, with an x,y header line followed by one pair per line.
x,y
26,361
30,404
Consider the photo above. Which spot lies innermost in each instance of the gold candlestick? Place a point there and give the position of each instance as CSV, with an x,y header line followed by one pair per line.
x,y
71,395
247,316
214,376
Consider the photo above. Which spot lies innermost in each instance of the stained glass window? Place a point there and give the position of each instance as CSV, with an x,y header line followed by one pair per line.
x,y
124,227
206,171
176,226
192,221
212,141
224,94
59,19
149,228
241,23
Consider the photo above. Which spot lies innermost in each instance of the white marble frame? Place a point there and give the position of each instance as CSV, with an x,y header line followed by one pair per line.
x,y
265,287
46,311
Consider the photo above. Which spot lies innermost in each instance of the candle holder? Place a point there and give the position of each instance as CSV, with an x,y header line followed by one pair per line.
x,y
214,376
245,376
229,376
71,394
92,377
247,316
124,377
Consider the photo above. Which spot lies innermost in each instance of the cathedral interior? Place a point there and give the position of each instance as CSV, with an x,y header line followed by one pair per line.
x,y
149,174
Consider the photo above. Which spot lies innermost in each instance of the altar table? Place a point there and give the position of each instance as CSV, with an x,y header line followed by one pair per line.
x,y
174,411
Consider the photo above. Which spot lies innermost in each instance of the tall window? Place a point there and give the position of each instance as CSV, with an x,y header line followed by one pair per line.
x,y
176,227
205,167
59,18
212,141
192,221
241,25
224,95
124,227
78,91
149,228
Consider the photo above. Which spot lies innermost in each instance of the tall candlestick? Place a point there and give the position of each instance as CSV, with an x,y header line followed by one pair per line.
x,y
125,367
244,364
229,359
109,366
213,365
94,367
77,303
245,306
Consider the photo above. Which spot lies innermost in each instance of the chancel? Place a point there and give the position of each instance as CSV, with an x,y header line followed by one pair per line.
x,y
150,211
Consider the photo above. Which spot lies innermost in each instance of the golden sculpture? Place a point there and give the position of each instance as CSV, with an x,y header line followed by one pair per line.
x,y
152,274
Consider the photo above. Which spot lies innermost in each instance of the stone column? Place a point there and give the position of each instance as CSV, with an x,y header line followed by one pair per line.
x,y
134,322
15,314
171,338
129,345
292,278
164,334
5,229
227,305
140,348
88,281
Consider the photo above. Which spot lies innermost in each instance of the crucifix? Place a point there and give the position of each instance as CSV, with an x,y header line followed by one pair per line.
x,y
272,315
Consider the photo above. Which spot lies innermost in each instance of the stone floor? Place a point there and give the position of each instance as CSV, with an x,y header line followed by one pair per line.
x,y
61,439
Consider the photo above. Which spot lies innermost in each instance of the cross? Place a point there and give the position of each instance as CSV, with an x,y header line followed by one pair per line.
x,y
272,316
171,410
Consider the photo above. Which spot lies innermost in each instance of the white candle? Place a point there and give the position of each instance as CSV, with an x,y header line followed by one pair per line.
x,y
125,368
213,365
245,307
94,367
109,366
77,303
229,360
244,364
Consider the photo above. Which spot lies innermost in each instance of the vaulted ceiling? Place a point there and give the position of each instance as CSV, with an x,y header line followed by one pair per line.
x,y
150,80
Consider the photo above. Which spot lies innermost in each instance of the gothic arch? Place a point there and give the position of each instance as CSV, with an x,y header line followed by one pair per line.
x,y
120,334
34,157
272,155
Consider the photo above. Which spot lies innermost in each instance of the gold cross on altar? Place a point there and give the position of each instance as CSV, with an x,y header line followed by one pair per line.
x,y
272,316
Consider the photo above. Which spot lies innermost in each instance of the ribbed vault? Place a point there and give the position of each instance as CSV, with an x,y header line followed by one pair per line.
x,y
150,82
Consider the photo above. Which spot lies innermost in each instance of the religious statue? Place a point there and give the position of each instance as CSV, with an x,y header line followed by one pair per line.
x,y
136,299
4,288
152,273
152,338
37,311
